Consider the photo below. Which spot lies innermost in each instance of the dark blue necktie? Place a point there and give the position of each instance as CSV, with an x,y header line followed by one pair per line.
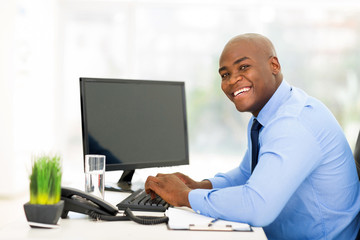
x,y
255,143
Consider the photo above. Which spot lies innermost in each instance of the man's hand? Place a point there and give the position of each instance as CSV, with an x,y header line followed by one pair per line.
x,y
205,184
170,188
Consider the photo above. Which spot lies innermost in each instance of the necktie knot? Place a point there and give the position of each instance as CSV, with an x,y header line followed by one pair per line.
x,y
255,128
256,125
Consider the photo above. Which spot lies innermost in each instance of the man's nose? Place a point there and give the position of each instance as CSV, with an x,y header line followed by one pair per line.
x,y
235,78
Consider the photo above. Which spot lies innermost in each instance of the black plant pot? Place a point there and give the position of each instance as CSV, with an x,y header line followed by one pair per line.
x,y
43,214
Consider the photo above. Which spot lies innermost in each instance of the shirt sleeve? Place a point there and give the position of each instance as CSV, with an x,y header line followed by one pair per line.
x,y
291,152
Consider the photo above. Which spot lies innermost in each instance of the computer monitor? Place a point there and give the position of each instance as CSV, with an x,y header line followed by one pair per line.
x,y
134,123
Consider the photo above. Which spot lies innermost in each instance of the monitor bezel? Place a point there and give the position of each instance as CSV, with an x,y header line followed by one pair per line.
x,y
132,166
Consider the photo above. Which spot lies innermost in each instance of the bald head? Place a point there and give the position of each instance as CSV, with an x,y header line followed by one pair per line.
x,y
258,41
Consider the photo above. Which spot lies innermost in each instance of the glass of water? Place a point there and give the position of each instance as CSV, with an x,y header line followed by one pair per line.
x,y
94,174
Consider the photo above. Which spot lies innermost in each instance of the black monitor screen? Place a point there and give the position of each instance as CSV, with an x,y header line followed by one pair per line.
x,y
135,123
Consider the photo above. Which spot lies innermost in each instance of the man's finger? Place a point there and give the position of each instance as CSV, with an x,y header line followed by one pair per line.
x,y
151,184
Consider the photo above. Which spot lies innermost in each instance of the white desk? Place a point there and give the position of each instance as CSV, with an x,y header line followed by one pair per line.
x,y
78,226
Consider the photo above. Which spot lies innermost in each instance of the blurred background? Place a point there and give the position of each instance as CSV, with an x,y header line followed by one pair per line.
x,y
46,45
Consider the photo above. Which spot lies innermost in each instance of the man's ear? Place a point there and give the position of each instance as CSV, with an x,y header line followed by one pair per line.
x,y
275,65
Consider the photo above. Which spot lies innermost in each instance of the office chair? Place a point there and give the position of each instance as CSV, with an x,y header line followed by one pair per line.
x,y
357,162
357,155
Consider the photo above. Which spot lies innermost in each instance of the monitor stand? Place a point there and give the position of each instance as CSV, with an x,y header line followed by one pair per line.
x,y
124,184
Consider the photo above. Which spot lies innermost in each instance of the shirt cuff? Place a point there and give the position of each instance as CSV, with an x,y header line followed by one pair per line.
x,y
197,200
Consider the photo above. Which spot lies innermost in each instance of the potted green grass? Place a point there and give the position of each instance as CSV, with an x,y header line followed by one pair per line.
x,y
45,205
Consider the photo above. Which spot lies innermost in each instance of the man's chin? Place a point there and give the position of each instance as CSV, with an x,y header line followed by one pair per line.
x,y
241,108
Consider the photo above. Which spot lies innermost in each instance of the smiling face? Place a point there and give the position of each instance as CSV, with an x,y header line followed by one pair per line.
x,y
250,72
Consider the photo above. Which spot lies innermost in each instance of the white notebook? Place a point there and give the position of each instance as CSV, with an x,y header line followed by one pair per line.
x,y
187,219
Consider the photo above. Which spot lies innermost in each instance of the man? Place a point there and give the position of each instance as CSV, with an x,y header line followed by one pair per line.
x,y
302,182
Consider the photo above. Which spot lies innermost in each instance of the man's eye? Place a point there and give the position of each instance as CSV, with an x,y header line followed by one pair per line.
x,y
225,75
244,67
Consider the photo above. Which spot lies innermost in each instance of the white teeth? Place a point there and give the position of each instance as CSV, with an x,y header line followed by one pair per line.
x,y
241,91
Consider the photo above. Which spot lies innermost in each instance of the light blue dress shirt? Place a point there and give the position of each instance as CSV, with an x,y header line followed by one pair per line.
x,y
305,185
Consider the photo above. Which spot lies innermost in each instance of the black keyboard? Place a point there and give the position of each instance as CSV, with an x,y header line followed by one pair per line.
x,y
140,201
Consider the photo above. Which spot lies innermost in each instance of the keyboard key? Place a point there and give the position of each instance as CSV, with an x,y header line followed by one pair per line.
x,y
141,201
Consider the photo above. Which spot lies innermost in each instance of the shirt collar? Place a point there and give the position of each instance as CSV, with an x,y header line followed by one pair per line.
x,y
276,100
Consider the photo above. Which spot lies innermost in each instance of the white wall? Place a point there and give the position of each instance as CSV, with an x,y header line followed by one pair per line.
x,y
27,88
7,165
